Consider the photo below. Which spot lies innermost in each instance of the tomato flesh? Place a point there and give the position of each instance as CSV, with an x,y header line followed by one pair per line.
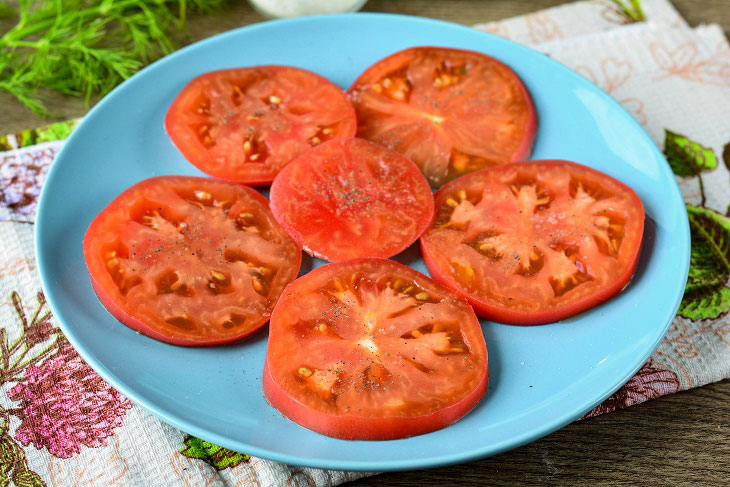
x,y
372,350
450,111
534,242
245,124
352,198
190,261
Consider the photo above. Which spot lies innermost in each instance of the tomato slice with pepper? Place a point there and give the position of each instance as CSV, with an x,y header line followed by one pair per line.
x,y
450,111
534,242
352,198
190,261
246,124
372,350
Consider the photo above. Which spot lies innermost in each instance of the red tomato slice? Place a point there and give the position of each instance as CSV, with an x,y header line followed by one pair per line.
x,y
351,198
190,261
450,111
373,350
534,242
246,124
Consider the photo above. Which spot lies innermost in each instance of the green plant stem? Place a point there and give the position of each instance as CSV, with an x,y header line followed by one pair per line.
x,y
4,348
4,420
702,190
18,367
16,345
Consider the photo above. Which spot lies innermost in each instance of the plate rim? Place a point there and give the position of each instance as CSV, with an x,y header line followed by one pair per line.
x,y
438,460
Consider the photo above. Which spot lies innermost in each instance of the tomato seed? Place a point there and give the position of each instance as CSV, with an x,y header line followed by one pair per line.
x,y
218,276
257,285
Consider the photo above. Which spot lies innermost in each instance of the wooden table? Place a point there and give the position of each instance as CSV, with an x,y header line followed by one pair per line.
x,y
678,439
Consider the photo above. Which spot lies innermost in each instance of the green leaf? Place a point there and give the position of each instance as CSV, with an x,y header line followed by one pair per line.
x,y
13,465
219,458
55,131
705,302
706,294
726,155
710,255
27,478
685,157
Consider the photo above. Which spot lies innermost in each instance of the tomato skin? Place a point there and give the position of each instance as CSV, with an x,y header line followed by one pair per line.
x,y
365,428
325,198
353,426
369,116
494,312
278,133
124,310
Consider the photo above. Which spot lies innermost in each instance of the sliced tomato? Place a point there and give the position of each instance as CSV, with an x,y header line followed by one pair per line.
x,y
190,261
373,350
449,111
534,242
351,198
246,124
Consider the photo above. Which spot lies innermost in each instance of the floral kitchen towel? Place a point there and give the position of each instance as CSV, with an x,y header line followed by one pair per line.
x,y
61,425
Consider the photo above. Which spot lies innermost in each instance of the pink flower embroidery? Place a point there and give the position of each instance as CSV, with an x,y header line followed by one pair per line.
x,y
648,383
64,405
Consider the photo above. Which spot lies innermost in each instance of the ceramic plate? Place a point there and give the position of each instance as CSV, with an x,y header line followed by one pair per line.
x,y
541,377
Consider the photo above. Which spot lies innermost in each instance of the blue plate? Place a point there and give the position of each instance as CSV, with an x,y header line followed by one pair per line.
x,y
541,377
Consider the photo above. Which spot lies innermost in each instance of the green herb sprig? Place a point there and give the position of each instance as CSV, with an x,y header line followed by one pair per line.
x,y
86,47
630,10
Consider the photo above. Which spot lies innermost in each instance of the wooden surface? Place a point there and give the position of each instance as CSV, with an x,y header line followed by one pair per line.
x,y
678,439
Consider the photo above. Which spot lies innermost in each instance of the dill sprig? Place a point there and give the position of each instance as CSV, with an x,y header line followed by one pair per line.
x,y
630,10
86,47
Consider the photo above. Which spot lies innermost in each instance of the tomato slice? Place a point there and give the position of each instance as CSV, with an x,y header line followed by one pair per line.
x,y
246,124
373,350
190,261
351,198
534,242
449,111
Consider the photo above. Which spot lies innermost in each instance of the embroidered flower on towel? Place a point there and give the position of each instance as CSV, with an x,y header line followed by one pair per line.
x,y
65,405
